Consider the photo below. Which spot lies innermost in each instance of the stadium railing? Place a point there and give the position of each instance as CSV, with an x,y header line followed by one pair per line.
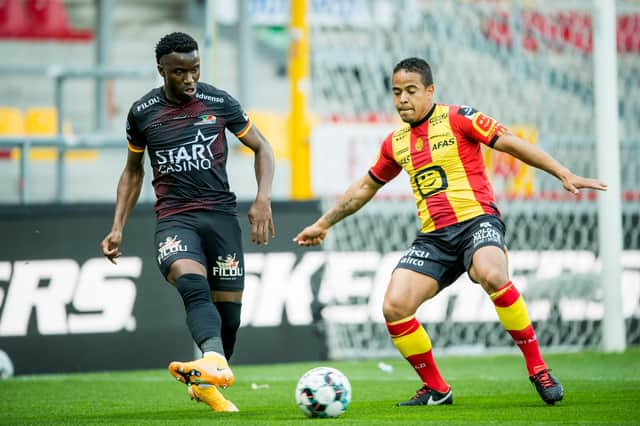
x,y
61,141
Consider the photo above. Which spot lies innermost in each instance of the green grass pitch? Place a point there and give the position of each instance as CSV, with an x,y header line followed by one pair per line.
x,y
599,389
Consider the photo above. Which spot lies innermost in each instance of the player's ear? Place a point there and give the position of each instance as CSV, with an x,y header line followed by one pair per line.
x,y
431,88
160,70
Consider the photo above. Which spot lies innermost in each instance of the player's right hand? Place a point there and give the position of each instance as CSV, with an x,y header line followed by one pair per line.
x,y
311,235
111,246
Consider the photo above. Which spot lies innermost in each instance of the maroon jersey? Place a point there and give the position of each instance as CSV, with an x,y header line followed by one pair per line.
x,y
187,147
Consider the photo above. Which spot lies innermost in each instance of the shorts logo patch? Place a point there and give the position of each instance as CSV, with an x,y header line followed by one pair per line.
x,y
169,247
486,233
227,267
414,257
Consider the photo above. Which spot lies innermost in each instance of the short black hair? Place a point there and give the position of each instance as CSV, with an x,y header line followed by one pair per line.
x,y
416,65
175,42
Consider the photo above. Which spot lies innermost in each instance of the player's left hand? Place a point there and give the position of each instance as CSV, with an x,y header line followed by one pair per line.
x,y
574,183
261,222
111,246
312,235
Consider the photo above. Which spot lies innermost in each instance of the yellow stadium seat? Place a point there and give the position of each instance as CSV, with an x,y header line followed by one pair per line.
x,y
41,121
274,127
11,122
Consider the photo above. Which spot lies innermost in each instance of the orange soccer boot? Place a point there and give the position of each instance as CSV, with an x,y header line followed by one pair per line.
x,y
210,369
210,395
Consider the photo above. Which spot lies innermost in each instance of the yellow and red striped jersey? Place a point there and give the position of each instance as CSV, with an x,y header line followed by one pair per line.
x,y
442,156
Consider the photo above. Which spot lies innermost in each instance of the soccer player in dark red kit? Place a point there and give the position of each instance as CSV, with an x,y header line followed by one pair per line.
x,y
461,230
182,126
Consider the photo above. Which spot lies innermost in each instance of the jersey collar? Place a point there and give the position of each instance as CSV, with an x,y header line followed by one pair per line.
x,y
425,118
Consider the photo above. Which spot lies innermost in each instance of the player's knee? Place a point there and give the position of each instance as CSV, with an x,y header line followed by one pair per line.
x,y
194,290
491,279
394,310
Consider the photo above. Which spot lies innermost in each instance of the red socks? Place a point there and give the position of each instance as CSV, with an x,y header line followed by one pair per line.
x,y
512,312
414,344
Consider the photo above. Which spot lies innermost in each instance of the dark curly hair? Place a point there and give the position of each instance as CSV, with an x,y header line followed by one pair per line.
x,y
175,42
416,65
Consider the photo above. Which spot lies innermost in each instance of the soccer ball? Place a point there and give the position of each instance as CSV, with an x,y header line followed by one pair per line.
x,y
323,392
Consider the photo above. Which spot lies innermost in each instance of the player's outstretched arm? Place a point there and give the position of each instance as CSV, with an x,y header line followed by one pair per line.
x,y
535,157
356,196
260,216
129,187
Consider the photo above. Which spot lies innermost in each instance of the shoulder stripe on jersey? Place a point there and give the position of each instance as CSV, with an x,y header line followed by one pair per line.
x,y
244,131
135,148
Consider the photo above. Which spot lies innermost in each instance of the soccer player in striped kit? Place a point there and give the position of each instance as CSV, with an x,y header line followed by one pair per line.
x,y
461,229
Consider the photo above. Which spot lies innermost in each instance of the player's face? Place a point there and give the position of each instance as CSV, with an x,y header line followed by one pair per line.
x,y
411,98
181,72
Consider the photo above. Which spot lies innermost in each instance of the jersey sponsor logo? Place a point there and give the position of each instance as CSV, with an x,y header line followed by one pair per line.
x,y
194,155
146,104
402,151
401,133
467,111
430,181
64,297
205,119
215,99
443,143
169,247
439,136
227,267
483,124
179,116
419,144
438,119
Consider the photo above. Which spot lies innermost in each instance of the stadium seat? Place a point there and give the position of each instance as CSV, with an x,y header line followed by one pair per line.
x,y
48,19
274,127
38,19
11,122
41,121
13,19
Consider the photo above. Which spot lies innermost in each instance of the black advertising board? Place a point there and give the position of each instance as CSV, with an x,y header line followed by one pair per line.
x,y
64,308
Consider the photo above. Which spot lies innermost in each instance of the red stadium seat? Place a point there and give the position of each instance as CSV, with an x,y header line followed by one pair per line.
x,y
13,19
570,28
38,19
49,20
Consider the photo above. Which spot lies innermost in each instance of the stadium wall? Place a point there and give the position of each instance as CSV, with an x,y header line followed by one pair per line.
x,y
64,308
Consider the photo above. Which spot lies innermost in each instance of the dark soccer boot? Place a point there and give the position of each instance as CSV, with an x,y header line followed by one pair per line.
x,y
548,387
428,396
